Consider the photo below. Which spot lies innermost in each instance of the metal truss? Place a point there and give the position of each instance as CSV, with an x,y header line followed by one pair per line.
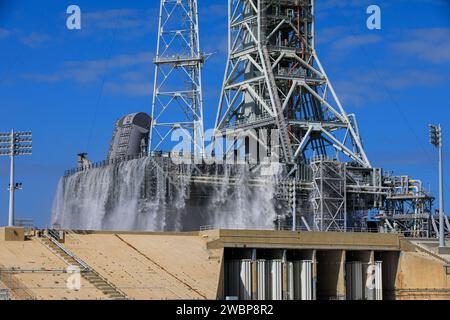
x,y
409,208
177,94
274,80
435,224
329,196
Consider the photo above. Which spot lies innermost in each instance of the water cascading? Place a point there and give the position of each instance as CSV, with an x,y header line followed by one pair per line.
x,y
153,194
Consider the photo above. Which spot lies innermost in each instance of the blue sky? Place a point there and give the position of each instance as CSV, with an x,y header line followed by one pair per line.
x,y
69,87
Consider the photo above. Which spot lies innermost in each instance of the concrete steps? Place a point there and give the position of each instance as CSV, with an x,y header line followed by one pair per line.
x,y
93,277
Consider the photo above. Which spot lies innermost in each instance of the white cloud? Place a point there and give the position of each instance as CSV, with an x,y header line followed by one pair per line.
x,y
93,70
431,45
126,74
361,86
131,88
351,42
35,39
128,23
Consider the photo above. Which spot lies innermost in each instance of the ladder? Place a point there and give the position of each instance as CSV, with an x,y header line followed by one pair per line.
x,y
279,116
92,276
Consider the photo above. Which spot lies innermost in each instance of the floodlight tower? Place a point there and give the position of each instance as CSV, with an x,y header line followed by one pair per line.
x,y
14,144
436,140
177,94
274,80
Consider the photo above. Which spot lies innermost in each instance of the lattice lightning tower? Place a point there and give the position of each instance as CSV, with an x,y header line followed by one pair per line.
x,y
177,94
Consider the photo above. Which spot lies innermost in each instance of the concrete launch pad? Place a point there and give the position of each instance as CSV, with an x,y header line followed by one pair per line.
x,y
133,265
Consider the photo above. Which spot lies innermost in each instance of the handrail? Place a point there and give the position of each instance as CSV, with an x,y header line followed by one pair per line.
x,y
85,266
105,163
288,228
70,254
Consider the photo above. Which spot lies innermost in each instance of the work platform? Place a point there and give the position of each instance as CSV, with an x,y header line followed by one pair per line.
x,y
196,265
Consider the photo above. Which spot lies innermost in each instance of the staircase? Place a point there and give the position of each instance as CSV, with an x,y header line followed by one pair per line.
x,y
93,277
280,120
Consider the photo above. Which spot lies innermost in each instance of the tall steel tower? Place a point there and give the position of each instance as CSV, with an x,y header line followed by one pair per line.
x,y
274,80
177,95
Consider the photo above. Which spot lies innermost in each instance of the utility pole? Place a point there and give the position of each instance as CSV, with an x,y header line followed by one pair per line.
x,y
436,140
14,144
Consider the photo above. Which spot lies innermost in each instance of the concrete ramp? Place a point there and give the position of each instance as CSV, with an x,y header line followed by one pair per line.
x,y
152,266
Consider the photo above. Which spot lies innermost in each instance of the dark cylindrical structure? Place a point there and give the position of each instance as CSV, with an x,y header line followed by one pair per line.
x,y
130,136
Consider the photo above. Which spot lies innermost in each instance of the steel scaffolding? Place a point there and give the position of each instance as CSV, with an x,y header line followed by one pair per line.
x,y
329,196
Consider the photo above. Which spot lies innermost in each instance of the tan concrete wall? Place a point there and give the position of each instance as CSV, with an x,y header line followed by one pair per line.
x,y
306,240
330,274
421,276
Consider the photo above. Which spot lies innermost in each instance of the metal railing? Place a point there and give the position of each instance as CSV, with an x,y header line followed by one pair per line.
x,y
51,236
105,163
297,229
25,223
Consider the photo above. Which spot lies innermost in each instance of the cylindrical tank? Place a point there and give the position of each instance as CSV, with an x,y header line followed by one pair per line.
x,y
303,280
130,137
378,280
245,290
306,280
263,280
275,283
290,281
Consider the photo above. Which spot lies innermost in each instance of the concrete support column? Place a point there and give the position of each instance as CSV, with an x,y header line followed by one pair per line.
x,y
314,275
331,274
284,277
340,289
254,276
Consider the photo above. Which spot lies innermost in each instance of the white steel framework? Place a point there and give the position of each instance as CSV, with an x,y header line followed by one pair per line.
x,y
329,196
177,95
274,80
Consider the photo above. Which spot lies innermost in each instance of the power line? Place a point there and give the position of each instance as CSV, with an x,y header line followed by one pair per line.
x,y
102,86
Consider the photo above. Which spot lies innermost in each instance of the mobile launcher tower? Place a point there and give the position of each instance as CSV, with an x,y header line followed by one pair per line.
x,y
274,80
276,92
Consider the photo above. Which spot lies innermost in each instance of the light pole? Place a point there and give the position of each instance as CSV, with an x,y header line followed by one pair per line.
x,y
436,140
14,144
